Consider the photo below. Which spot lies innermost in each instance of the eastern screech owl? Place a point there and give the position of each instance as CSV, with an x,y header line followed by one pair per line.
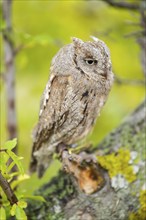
x,y
80,80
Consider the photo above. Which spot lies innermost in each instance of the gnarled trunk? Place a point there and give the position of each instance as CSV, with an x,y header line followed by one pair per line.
x,y
121,198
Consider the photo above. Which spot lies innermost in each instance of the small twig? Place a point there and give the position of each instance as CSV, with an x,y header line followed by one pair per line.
x,y
135,34
133,23
134,82
123,5
8,190
3,150
18,49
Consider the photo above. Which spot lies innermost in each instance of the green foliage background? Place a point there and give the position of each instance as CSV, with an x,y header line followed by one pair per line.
x,y
44,26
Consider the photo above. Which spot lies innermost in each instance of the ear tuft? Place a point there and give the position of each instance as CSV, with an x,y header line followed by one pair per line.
x,y
95,39
100,42
77,42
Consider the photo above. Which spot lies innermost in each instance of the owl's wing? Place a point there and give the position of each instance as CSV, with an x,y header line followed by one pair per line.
x,y
46,94
50,114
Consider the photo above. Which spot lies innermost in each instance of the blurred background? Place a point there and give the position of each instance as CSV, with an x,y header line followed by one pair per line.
x,y
42,27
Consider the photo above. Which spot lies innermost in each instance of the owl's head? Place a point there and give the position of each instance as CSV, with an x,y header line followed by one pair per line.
x,y
92,57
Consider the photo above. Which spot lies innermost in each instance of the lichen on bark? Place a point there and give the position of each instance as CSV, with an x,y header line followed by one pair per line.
x,y
65,201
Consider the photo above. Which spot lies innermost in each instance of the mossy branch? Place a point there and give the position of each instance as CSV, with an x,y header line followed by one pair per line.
x,y
119,200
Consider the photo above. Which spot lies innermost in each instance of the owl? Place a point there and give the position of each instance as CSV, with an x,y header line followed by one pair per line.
x,y
79,83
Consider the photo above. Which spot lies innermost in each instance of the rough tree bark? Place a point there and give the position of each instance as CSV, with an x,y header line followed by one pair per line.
x,y
65,201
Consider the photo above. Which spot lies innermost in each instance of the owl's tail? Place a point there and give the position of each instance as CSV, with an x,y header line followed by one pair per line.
x,y
33,165
40,162
40,168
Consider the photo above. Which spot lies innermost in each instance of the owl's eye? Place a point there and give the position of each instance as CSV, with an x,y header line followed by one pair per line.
x,y
90,61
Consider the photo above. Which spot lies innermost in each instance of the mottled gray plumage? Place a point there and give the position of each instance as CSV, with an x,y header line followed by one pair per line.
x,y
80,81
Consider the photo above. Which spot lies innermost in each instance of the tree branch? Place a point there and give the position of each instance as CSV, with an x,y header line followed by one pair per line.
x,y
140,6
8,190
65,199
10,70
123,5
18,49
133,82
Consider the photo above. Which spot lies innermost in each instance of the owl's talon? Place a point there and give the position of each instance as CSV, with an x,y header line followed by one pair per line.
x,y
88,175
73,161
65,168
87,158
70,158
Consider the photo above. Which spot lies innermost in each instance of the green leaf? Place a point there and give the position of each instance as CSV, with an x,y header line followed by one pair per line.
x,y
4,157
22,204
13,210
2,213
5,202
10,166
37,198
16,160
20,214
20,179
11,175
10,144
3,161
3,25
